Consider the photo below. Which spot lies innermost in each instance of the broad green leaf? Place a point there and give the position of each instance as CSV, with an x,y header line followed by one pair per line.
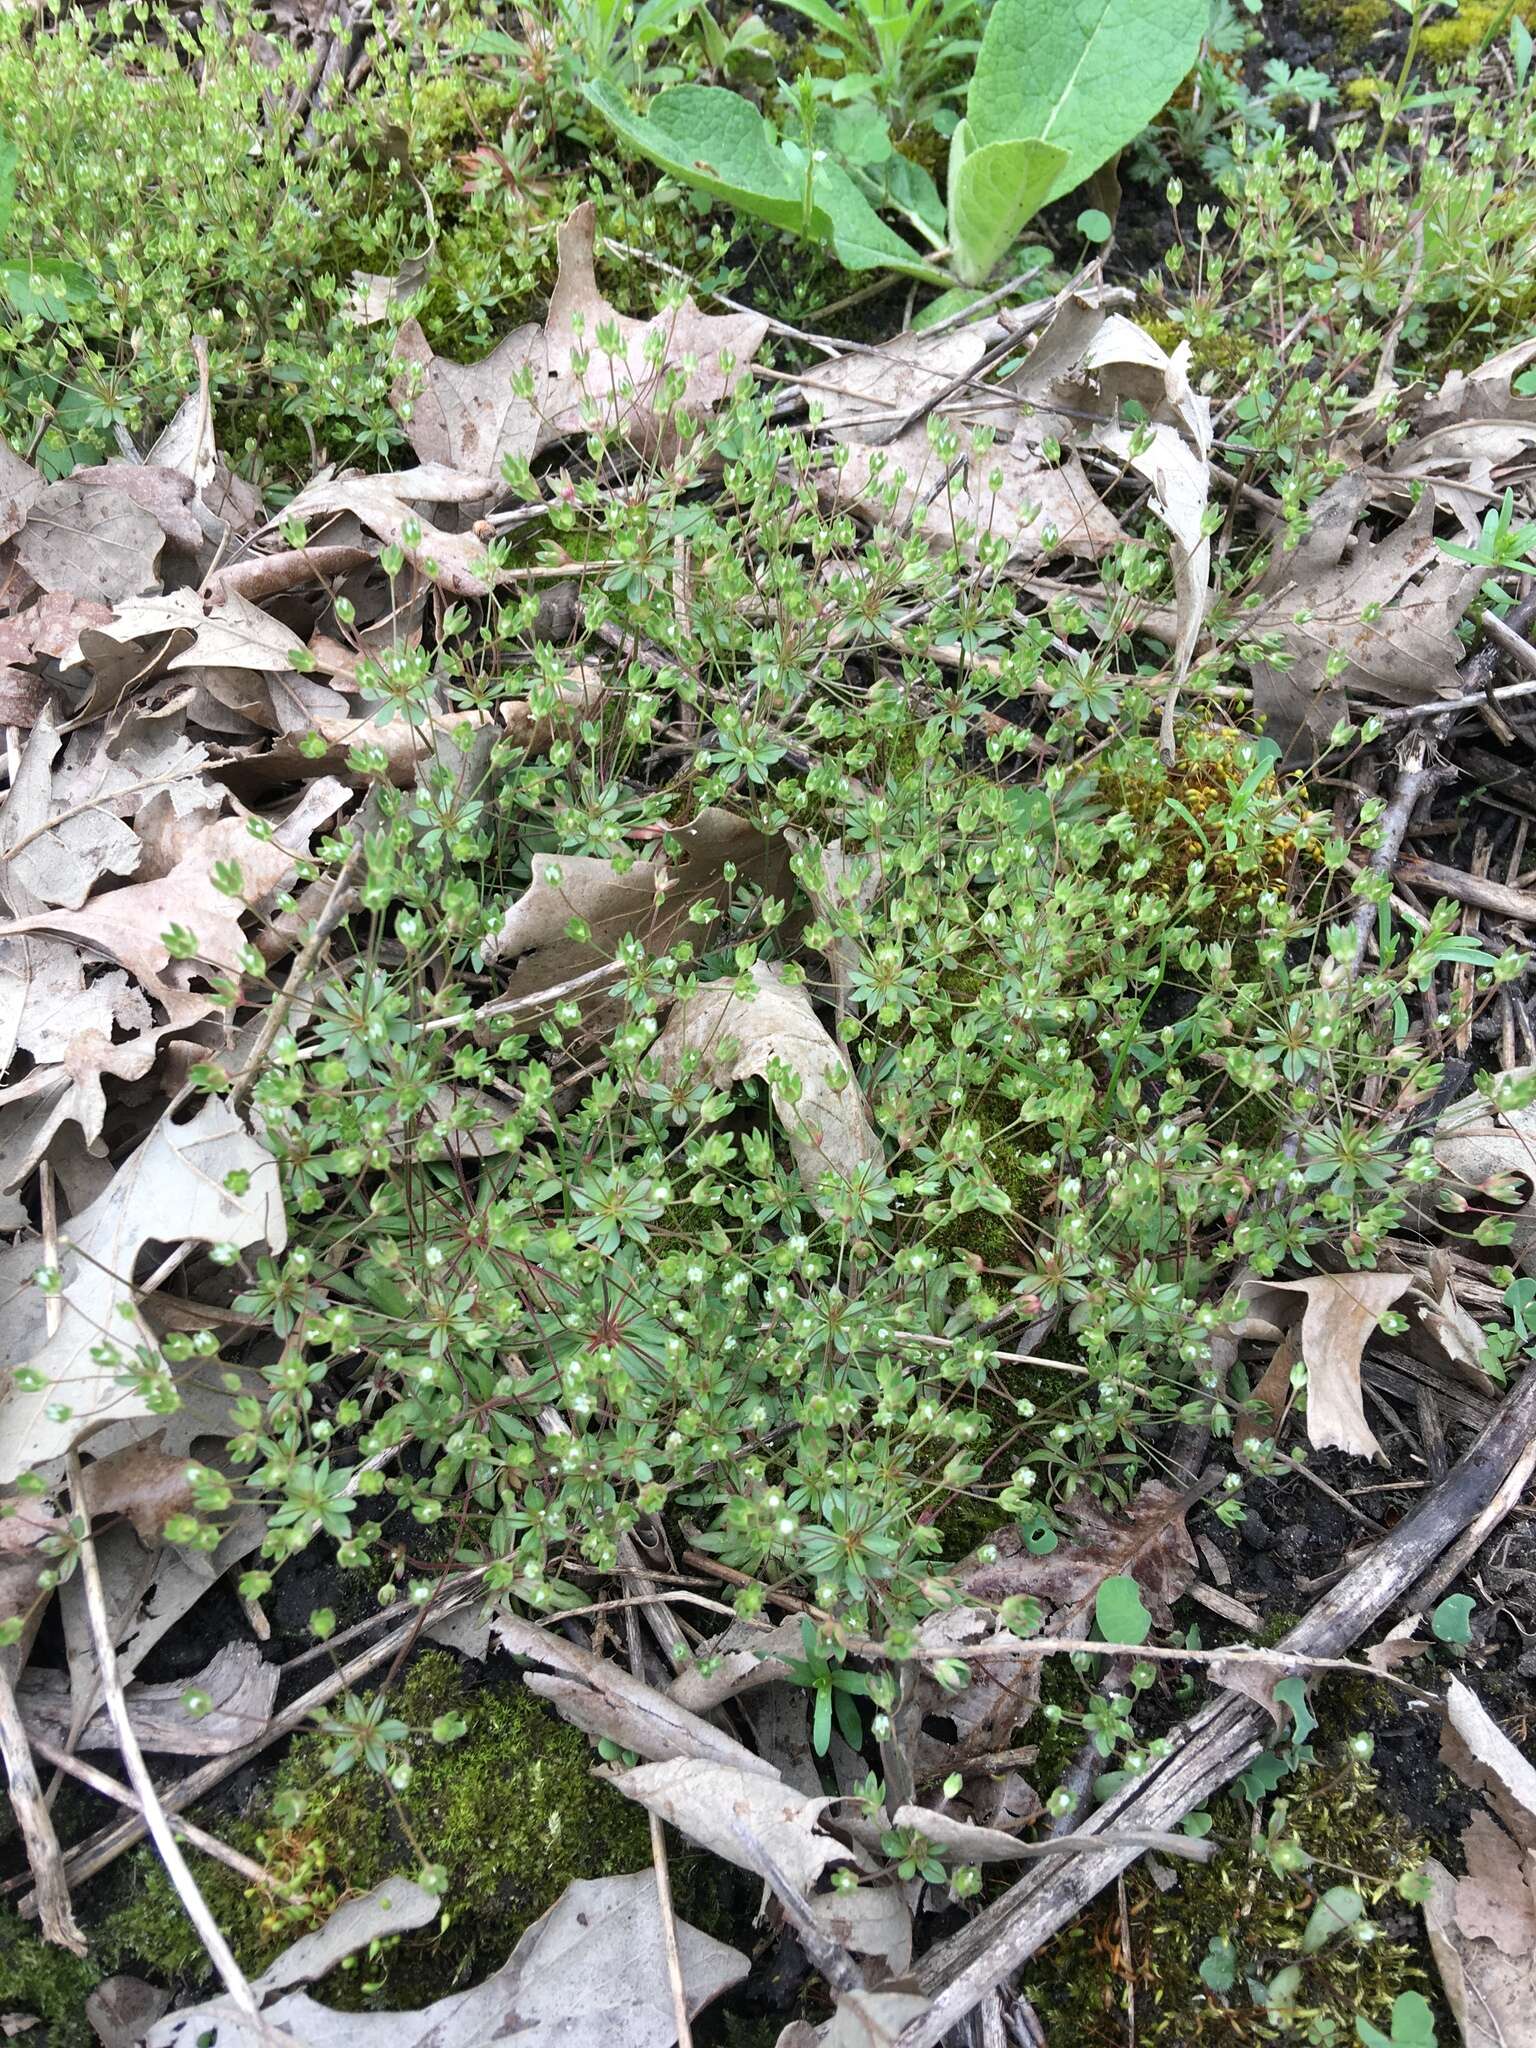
x,y
1451,1620
48,289
1413,2024
859,236
827,19
717,142
1218,1969
912,188
1339,1908
1120,1612
1292,1693
713,140
997,188
1087,75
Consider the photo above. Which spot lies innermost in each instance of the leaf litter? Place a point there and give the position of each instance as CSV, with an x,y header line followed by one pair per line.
x,y
145,687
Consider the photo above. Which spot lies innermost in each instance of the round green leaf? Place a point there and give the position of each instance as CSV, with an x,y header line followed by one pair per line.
x,y
1120,1611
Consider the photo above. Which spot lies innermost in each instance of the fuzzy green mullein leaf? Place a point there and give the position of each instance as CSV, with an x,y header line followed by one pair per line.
x,y
1084,75
717,142
993,191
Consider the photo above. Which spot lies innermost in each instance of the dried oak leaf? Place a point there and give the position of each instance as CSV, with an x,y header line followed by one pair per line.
x,y
390,507
39,632
650,900
468,417
1339,1313
1390,608
95,542
173,1189
1008,491
591,1974
129,925
57,868
1148,1543
722,1036
71,1030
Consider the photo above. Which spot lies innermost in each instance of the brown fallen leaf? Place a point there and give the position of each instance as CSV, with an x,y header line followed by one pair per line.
x,y
390,507
467,417
58,868
1148,1543
1389,608
238,1687
602,1699
710,1802
721,1037
91,542
592,1970
20,485
1482,1933
129,925
650,900
1339,1313
1482,1927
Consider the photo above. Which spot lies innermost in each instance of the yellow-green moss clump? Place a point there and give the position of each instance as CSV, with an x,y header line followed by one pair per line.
x,y
47,1983
510,1810
1475,24
1080,1984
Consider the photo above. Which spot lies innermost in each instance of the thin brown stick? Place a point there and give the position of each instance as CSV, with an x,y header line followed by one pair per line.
x,y
277,1011
262,576
153,1814
44,1855
112,1788
1497,898
1476,1534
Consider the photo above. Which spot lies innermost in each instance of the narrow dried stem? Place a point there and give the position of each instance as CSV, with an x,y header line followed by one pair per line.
x,y
112,1788
36,1824
152,1812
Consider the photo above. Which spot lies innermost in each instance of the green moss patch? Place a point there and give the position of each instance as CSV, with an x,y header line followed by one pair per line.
x,y
511,1811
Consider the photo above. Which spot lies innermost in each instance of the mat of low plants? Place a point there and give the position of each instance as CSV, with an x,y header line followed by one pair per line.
x,y
768,1139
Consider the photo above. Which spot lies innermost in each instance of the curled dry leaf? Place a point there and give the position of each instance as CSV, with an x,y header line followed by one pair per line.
x,y
1482,1927
390,507
723,1036
1476,1143
651,900
743,1658
468,417
1339,1313
237,1685
591,1974
173,1188
710,1802
604,1700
